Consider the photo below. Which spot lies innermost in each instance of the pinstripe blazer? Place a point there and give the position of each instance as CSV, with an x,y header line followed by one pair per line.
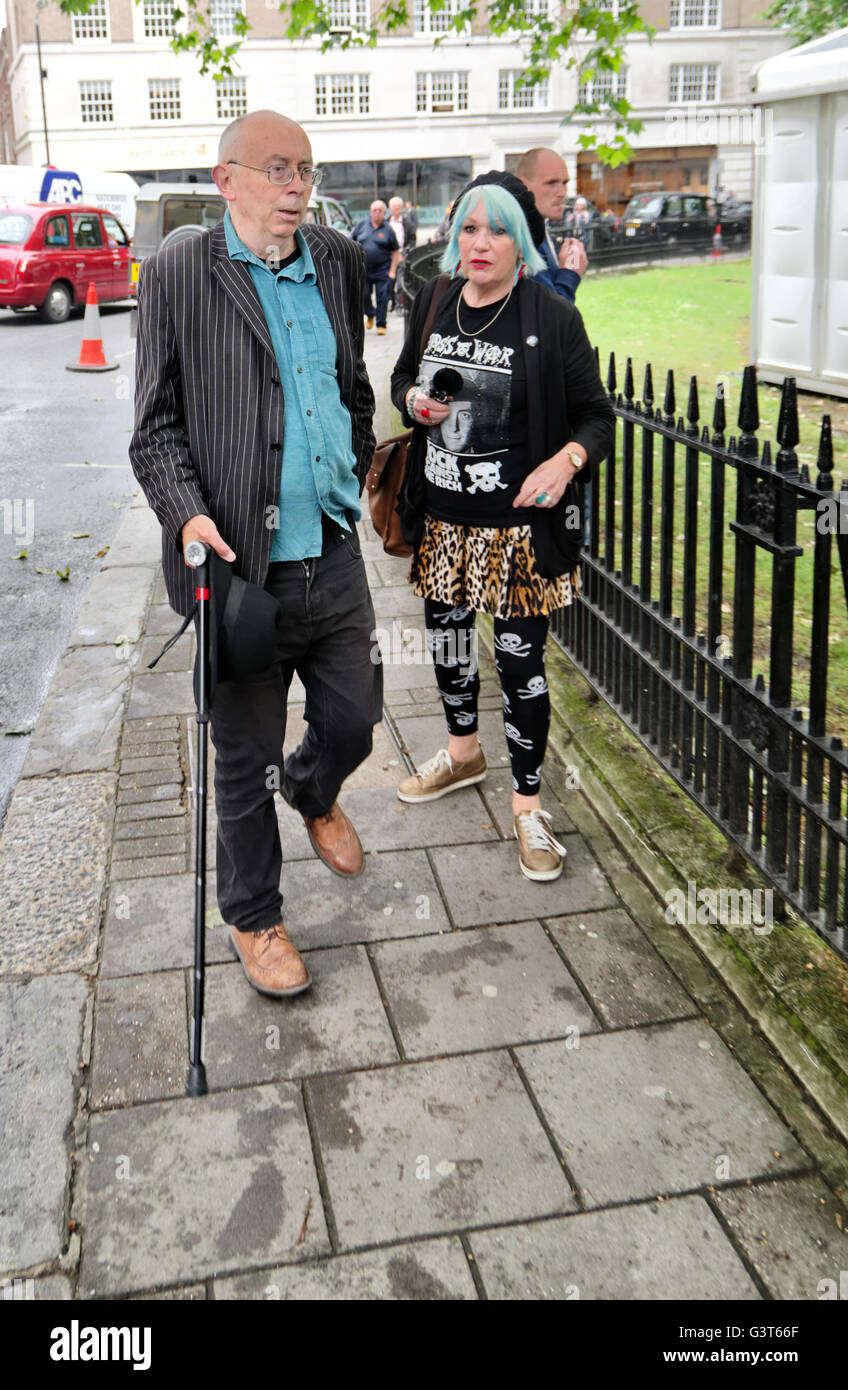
x,y
209,405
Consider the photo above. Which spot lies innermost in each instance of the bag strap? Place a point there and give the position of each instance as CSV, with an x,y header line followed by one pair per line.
x,y
439,290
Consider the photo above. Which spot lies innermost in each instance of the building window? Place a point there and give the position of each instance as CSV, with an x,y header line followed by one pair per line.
x,y
231,98
347,14
342,94
513,97
429,21
441,91
94,24
604,84
158,19
96,102
693,82
695,14
222,17
164,95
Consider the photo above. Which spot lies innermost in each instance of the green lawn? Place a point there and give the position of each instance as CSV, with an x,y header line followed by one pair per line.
x,y
695,320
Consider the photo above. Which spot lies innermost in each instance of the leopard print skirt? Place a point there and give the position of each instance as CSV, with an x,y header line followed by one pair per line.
x,y
490,568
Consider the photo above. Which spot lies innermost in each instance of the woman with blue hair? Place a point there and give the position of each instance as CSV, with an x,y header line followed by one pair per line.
x,y
507,408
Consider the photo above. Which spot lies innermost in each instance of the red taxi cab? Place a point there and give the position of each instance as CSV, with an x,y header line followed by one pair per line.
x,y
50,253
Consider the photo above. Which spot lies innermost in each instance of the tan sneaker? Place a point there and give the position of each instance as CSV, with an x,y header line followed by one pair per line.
x,y
271,963
442,775
539,854
369,322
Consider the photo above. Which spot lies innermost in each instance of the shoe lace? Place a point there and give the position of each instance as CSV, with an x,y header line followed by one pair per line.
x,y
538,833
440,763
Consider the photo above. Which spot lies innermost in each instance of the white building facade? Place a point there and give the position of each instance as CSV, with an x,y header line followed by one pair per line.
x,y
409,116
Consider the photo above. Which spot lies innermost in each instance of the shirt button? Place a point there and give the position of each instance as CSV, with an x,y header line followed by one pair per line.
x,y
275,448
317,458
288,323
300,369
309,412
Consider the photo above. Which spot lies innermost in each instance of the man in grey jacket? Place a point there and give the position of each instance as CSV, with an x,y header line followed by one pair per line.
x,y
253,434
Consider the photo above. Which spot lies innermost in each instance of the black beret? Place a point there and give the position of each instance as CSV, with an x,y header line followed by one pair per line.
x,y
520,192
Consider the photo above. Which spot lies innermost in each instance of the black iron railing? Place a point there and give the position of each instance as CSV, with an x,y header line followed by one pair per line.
x,y
689,582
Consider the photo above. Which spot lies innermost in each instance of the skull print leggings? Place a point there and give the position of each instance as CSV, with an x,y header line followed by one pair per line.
x,y
520,663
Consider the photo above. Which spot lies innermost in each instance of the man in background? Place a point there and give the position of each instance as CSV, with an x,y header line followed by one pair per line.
x,y
544,172
382,254
404,236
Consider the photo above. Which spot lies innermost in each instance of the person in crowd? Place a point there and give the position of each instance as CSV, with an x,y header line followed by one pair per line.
x,y
410,212
382,255
404,236
579,219
508,415
441,233
544,172
253,434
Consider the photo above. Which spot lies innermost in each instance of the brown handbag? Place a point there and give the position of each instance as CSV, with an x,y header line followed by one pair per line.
x,y
388,465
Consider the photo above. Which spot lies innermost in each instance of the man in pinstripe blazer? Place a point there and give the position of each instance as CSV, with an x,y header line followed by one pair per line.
x,y
253,434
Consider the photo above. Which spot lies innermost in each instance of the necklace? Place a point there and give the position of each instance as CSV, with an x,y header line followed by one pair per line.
x,y
491,320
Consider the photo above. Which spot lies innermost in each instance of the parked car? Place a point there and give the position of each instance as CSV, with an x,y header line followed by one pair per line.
x,y
164,209
51,252
684,219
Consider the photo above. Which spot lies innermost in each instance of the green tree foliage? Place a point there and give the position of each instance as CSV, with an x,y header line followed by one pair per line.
x,y
807,19
586,35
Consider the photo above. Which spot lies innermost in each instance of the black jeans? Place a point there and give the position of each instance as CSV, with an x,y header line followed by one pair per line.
x,y
327,640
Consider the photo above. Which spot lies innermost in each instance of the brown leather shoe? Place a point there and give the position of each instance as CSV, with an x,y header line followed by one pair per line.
x,y
270,961
334,840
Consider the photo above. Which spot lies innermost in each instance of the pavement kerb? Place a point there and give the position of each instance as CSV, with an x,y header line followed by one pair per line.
x,y
819,1062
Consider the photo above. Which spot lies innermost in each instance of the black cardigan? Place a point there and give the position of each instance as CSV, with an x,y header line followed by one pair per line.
x,y
565,401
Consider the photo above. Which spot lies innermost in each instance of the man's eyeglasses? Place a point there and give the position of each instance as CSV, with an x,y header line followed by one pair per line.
x,y
284,173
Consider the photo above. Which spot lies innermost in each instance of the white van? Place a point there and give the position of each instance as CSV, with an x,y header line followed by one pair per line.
x,y
28,183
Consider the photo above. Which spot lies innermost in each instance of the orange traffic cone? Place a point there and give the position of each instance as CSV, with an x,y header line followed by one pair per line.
x,y
718,244
92,357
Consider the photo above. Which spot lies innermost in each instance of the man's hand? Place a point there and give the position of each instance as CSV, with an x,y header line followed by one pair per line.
x,y
203,528
572,256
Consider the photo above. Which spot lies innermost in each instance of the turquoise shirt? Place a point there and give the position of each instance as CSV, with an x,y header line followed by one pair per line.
x,y
319,465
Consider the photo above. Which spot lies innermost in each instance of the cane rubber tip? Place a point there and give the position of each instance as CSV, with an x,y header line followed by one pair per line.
x,y
196,1080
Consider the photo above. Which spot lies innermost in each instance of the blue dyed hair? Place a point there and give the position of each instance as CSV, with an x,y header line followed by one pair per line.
x,y
503,211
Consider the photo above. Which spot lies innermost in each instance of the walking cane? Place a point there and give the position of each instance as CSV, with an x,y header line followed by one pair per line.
x,y
196,555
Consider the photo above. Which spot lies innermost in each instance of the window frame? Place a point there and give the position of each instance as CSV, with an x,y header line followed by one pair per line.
x,y
94,12
164,82
539,94
104,82
328,90
238,80
679,25
682,98
461,86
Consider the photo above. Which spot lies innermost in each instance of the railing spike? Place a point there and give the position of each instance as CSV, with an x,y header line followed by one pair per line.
x,y
692,410
766,456
824,462
759,684
787,427
705,435
628,382
719,416
648,388
805,473
611,382
669,402
749,413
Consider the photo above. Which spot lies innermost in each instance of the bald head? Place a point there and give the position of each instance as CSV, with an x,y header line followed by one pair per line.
x,y
245,130
545,174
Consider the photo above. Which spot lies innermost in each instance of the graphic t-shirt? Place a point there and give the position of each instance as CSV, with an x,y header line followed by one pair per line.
x,y
477,459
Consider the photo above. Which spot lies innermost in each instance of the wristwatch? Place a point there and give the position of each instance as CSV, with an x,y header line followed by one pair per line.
x,y
577,461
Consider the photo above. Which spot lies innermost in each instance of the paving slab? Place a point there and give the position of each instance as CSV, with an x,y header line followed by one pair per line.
x,y
338,1024
41,1023
488,987
384,823
656,1110
435,1270
79,727
168,693
53,856
187,1293
163,622
180,657
424,733
396,601
146,829
49,1288
628,982
395,895
140,1040
383,768
123,850
794,1232
483,883
138,541
149,926
497,794
114,607
136,810
168,760
177,1191
426,1148
164,864
660,1250
131,795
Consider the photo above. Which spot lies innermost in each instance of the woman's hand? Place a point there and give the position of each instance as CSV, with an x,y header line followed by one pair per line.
x,y
546,484
426,411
